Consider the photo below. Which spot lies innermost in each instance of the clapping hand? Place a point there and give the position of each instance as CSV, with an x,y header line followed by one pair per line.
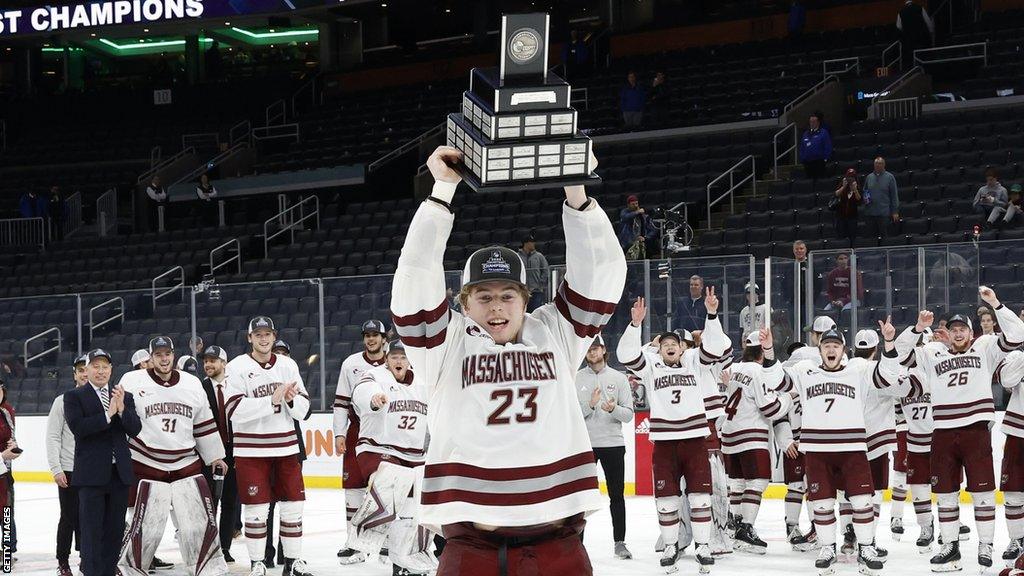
x,y
595,397
608,405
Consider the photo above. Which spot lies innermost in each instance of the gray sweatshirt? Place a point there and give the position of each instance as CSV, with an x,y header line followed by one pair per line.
x,y
885,195
605,428
537,271
997,192
60,442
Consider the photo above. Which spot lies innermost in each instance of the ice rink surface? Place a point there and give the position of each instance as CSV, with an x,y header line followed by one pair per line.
x,y
324,531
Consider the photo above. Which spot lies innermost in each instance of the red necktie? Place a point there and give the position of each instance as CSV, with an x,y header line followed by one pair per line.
x,y
223,417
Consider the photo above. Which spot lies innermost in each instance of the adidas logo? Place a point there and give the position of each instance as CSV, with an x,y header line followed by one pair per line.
x,y
644,427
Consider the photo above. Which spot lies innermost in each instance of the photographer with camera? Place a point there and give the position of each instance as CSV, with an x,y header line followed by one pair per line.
x,y
637,233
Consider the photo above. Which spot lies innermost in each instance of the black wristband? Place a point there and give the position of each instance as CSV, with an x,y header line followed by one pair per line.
x,y
583,207
712,316
446,205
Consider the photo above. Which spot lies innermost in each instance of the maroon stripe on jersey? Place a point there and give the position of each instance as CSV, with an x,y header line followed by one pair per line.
x,y
637,364
205,433
786,385
959,415
593,310
1005,345
948,407
413,328
910,361
507,474
402,449
699,418
291,442
771,409
743,432
185,451
161,459
231,404
833,431
274,435
520,499
714,402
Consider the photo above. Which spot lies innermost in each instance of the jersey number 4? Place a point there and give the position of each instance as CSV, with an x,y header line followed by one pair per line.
x,y
733,403
506,397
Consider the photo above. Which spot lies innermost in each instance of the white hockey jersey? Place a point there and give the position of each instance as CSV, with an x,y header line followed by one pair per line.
x,y
832,402
753,405
880,412
398,429
676,394
917,412
352,370
177,424
261,429
960,384
710,378
508,445
1010,374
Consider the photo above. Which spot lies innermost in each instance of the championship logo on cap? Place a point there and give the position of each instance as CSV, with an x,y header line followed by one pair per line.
x,y
496,265
99,353
396,346
160,342
215,352
261,322
371,326
833,336
961,319
281,345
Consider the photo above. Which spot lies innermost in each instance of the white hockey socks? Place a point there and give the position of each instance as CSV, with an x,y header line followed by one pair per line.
x,y
794,500
825,520
985,515
736,488
752,494
863,518
700,517
845,512
899,494
668,518
922,496
1014,514
291,528
949,516
353,499
256,530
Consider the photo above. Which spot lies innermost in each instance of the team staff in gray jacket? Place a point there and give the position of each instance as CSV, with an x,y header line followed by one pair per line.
x,y
607,402
60,455
881,200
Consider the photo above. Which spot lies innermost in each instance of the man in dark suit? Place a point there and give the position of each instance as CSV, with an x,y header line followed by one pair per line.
x,y
101,418
215,360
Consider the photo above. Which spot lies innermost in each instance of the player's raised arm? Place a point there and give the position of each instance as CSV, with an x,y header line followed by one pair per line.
x,y
885,375
714,343
1010,372
630,350
1010,325
418,304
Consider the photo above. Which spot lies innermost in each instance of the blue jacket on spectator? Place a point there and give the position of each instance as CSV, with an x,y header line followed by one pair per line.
x,y
631,223
692,313
815,145
632,98
38,207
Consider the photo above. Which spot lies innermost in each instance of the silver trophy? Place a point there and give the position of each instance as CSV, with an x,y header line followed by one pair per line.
x,y
517,129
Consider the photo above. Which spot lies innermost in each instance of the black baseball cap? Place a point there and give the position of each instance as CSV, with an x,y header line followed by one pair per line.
x,y
396,346
833,335
83,359
598,341
161,342
260,322
528,238
373,326
961,319
215,352
99,353
671,335
496,263
281,344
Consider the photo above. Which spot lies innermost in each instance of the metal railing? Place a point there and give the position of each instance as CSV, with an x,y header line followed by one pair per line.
x,y
840,66
733,184
169,289
275,132
290,219
898,108
241,132
960,53
378,163
201,139
106,212
73,214
40,336
315,95
810,92
897,48
276,113
119,316
155,154
160,165
223,248
791,150
215,161
894,85
24,232
579,95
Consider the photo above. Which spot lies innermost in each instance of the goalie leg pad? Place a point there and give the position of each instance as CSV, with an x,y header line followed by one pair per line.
x,y
148,519
291,528
198,537
388,490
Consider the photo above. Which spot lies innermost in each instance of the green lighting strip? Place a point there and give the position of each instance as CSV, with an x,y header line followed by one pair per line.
x,y
272,35
146,45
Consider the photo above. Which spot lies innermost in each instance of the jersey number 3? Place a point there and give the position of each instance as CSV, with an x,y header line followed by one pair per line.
x,y
506,397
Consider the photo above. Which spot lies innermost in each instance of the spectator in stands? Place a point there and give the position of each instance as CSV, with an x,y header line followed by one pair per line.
x,y
538,273
636,230
632,97
1016,205
158,197
838,285
991,200
204,189
845,204
213,61
881,199
692,312
815,147
58,210
576,55
987,323
796,22
33,205
658,100
916,28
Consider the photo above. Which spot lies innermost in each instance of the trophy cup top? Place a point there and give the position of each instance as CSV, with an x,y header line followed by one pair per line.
x,y
524,48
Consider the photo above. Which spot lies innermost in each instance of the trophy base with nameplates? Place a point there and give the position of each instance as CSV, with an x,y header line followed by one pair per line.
x,y
517,129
